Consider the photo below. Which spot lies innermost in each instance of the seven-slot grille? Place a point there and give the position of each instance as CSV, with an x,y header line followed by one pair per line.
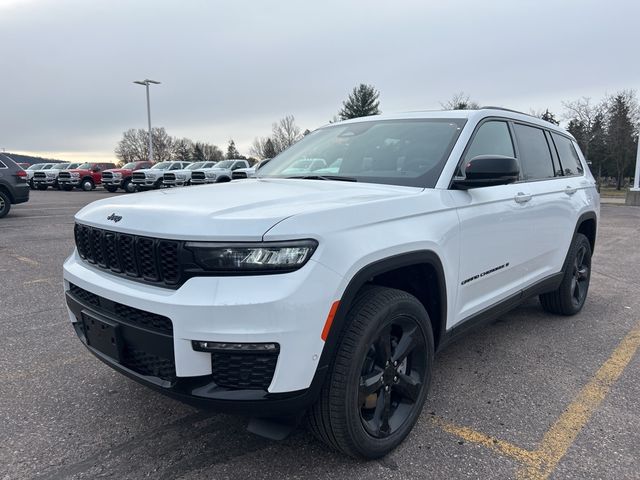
x,y
107,176
197,176
170,176
148,259
138,176
236,175
64,175
39,175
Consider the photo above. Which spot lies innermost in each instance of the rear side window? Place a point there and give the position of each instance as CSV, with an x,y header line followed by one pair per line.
x,y
568,156
535,156
2,165
492,138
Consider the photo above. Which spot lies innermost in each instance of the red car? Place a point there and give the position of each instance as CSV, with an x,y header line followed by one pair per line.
x,y
86,176
115,178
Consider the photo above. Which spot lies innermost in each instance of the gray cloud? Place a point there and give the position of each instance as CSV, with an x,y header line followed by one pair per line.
x,y
229,69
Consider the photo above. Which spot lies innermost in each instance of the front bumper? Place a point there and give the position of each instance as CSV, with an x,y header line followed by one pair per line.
x,y
202,182
287,309
147,182
44,181
116,182
69,181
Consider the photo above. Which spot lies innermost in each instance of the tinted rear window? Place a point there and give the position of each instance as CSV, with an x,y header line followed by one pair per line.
x,y
535,156
568,156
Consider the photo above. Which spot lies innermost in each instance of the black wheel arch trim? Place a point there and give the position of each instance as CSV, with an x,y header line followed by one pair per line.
x,y
591,215
363,276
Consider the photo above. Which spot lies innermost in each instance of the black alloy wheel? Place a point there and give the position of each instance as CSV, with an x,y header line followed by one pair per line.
x,y
392,376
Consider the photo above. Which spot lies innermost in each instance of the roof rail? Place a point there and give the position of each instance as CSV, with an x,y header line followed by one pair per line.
x,y
489,107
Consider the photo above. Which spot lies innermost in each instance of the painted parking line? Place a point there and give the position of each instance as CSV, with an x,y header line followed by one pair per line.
x,y
27,260
540,463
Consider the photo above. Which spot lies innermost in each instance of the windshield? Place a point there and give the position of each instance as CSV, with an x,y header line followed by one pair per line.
x,y
37,166
73,165
85,166
47,166
195,166
60,166
397,152
161,166
225,164
130,166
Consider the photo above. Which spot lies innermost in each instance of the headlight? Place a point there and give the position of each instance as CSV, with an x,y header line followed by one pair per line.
x,y
117,174
210,174
264,257
75,174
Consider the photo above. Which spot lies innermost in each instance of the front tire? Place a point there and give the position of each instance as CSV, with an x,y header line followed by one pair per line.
x,y
111,189
128,186
67,188
87,185
379,378
5,204
570,296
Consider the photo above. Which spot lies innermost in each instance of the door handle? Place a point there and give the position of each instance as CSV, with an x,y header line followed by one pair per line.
x,y
570,190
522,197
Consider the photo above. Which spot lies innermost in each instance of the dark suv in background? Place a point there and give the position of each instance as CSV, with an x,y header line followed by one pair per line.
x,y
13,184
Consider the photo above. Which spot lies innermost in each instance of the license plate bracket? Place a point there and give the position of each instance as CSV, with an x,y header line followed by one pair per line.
x,y
103,335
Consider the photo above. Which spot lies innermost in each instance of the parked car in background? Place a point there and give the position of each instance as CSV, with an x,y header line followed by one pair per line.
x,y
13,184
34,168
85,176
115,178
49,178
151,178
250,172
182,177
221,172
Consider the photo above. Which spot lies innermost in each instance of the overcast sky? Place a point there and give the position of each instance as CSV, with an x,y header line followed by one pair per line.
x,y
229,69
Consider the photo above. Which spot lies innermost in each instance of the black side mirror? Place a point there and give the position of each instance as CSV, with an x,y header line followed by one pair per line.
x,y
488,171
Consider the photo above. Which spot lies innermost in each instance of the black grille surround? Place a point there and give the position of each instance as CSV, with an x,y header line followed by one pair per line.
x,y
107,176
64,175
138,176
39,175
169,176
198,176
238,175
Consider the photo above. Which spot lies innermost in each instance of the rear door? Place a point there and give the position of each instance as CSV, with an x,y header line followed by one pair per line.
x,y
552,219
495,228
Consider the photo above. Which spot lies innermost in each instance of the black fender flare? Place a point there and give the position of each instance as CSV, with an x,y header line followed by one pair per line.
x,y
364,275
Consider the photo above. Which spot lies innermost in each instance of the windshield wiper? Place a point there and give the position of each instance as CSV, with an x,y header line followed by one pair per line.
x,y
325,177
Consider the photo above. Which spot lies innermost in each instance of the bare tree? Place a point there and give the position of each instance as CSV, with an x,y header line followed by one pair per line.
x,y
258,147
460,101
585,112
133,147
211,153
285,133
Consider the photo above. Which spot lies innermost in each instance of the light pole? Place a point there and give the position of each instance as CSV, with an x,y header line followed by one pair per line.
x,y
146,82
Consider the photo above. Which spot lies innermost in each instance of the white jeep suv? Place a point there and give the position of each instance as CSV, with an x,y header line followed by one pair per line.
x,y
328,294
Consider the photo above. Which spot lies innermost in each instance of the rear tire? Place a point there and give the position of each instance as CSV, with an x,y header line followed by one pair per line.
x,y
5,204
375,387
570,296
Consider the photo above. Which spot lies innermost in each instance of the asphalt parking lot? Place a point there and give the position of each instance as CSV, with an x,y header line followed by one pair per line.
x,y
531,396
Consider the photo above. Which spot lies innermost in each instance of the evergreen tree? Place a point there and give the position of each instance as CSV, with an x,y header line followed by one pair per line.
x,y
198,154
597,147
269,150
232,151
621,135
362,102
549,117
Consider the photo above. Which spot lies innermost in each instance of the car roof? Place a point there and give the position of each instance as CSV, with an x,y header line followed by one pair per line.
x,y
471,115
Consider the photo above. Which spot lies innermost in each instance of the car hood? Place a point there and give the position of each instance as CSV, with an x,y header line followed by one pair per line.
x,y
117,170
229,211
77,170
